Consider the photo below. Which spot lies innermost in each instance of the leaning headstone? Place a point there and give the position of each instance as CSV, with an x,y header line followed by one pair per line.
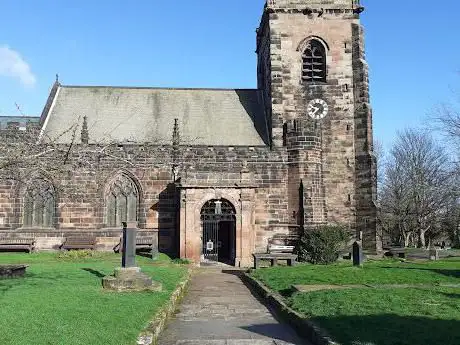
x,y
358,257
129,277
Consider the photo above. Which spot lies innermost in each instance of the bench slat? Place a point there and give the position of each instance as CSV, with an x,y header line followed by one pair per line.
x,y
79,242
17,243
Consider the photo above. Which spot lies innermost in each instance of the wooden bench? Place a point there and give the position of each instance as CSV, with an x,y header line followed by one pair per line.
x,y
274,258
400,252
142,243
17,244
79,242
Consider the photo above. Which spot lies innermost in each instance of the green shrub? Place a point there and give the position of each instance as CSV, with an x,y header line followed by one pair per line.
x,y
322,245
78,254
180,261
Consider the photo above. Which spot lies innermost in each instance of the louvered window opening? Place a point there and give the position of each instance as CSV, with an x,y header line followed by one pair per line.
x,y
122,202
314,63
39,205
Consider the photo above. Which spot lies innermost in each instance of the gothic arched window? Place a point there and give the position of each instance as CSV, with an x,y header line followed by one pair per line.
x,y
122,201
39,205
314,62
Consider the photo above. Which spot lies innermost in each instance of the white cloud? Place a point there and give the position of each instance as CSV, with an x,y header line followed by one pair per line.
x,y
13,65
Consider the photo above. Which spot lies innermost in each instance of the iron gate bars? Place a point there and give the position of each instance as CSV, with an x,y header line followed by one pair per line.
x,y
212,213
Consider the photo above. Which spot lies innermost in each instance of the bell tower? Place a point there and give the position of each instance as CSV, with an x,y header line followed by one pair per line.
x,y
314,80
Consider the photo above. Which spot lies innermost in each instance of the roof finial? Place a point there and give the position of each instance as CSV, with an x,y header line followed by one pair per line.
x,y
57,78
176,135
84,131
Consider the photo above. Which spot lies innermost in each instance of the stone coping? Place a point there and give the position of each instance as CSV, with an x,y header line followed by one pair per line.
x,y
304,327
150,335
312,288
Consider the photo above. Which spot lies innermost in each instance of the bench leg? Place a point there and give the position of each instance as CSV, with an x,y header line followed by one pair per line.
x,y
256,263
291,262
274,262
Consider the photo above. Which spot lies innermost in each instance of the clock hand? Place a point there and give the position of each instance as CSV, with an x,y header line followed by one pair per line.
x,y
316,110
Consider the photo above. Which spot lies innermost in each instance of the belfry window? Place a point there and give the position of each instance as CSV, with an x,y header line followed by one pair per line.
x,y
122,201
39,205
314,62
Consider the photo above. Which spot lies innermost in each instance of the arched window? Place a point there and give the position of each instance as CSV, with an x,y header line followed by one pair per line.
x,y
122,201
39,204
314,62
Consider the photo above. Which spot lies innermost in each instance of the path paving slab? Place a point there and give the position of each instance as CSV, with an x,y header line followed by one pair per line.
x,y
219,309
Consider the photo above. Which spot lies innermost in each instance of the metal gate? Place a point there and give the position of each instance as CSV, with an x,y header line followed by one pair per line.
x,y
212,214
211,240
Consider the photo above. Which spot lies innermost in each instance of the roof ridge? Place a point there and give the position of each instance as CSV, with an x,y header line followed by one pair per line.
x,y
20,116
156,88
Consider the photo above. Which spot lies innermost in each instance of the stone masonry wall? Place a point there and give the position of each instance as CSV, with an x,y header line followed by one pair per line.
x,y
81,192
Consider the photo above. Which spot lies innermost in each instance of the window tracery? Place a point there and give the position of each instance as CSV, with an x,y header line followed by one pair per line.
x,y
122,201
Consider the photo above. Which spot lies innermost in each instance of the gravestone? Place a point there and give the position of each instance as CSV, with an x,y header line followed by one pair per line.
x,y
358,257
129,277
129,246
434,254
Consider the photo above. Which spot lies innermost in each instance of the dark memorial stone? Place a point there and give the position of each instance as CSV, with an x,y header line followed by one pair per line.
x,y
128,277
358,257
129,245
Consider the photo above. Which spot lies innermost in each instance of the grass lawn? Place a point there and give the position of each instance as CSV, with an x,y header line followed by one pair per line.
x,y
393,316
61,301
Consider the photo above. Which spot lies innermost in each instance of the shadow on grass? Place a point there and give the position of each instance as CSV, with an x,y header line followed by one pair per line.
x,y
451,295
94,272
445,272
390,329
29,280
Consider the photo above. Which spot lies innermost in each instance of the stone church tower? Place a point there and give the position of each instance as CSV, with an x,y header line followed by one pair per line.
x,y
314,77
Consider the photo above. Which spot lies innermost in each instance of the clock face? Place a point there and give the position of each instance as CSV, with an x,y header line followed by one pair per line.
x,y
317,109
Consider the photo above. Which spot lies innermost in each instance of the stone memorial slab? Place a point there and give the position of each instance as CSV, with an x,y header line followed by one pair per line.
x,y
128,277
12,271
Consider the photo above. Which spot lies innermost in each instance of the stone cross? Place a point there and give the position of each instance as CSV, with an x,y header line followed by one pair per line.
x,y
357,254
129,245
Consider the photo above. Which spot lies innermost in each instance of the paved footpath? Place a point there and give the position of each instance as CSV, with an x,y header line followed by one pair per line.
x,y
220,310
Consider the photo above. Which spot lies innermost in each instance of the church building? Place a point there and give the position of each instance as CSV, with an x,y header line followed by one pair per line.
x,y
214,173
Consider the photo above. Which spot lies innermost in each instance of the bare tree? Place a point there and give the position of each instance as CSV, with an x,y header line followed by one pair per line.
x,y
417,187
394,200
447,120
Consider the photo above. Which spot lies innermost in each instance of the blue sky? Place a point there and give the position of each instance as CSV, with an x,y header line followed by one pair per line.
x,y
412,49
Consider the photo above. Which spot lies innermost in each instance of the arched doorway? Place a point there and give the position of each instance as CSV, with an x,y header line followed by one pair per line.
x,y
219,232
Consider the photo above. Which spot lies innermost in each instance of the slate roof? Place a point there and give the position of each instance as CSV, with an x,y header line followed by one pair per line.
x,y
18,121
120,114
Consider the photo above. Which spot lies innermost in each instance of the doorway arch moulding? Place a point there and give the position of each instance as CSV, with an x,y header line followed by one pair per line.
x,y
192,200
